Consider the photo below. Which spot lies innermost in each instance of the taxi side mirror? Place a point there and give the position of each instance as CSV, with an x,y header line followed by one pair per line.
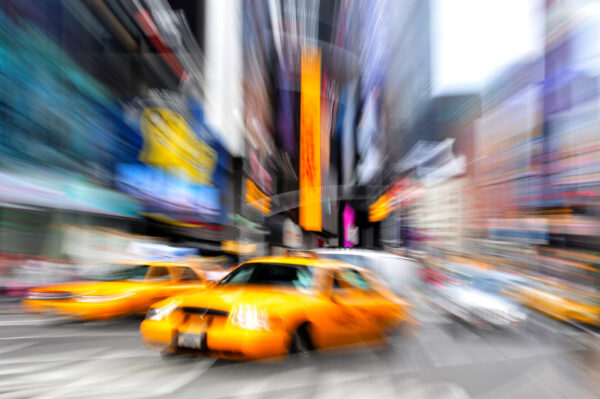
x,y
333,297
211,284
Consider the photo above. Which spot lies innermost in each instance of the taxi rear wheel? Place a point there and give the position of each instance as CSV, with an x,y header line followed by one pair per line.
x,y
395,337
302,345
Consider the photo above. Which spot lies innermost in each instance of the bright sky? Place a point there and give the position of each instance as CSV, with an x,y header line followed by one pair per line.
x,y
472,40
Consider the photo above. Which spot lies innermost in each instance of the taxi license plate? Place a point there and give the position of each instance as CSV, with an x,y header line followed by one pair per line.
x,y
192,341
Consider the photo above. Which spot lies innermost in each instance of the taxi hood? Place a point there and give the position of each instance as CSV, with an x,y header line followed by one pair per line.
x,y
226,297
94,287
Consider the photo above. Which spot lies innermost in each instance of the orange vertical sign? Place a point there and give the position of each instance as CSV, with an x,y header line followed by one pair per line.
x,y
310,140
256,198
380,209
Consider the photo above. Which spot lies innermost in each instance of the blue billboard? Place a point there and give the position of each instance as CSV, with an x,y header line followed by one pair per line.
x,y
172,162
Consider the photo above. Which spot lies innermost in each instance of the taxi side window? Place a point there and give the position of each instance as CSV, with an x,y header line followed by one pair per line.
x,y
349,278
336,282
189,275
158,273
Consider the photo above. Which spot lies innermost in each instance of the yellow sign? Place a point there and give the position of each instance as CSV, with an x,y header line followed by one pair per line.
x,y
310,140
256,198
380,209
238,248
171,144
169,220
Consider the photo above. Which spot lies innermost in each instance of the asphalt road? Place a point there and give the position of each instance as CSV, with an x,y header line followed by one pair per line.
x,y
100,360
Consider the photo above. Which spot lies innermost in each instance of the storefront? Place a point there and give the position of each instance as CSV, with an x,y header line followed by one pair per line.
x,y
39,209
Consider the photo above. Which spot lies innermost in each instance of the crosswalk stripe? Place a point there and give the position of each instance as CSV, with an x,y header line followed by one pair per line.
x,y
73,355
73,335
16,347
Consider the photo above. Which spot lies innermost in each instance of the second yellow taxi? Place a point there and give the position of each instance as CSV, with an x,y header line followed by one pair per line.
x,y
133,291
560,303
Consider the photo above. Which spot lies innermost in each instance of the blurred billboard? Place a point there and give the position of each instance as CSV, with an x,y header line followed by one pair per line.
x,y
310,141
174,165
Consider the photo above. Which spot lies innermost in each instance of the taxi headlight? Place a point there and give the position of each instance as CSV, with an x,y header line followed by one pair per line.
x,y
100,298
162,312
250,318
48,295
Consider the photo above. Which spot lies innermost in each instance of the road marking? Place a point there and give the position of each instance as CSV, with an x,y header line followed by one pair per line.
x,y
17,323
16,347
296,378
102,376
543,375
60,392
75,355
584,329
26,368
545,326
125,354
74,335
184,379
441,390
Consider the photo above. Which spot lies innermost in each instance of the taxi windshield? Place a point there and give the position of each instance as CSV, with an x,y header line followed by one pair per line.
x,y
273,274
135,273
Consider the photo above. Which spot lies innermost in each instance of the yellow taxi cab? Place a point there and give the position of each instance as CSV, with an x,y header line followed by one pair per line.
x,y
559,302
132,291
273,306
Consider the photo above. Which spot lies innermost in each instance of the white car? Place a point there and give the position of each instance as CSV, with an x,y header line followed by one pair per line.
x,y
400,273
478,301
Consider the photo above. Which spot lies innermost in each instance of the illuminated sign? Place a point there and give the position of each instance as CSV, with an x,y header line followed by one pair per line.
x,y
350,230
380,209
171,144
164,192
239,248
292,234
310,140
403,192
256,198
170,162
260,175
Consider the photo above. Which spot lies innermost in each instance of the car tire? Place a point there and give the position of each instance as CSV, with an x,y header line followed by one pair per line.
x,y
168,356
302,346
399,333
395,340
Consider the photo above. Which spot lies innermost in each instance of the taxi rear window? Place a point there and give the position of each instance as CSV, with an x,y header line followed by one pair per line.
x,y
273,274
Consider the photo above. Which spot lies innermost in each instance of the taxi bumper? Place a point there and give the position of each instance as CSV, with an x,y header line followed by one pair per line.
x,y
223,341
77,310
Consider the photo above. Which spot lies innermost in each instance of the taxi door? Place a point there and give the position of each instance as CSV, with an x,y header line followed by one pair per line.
x,y
157,282
384,313
351,294
333,321
185,279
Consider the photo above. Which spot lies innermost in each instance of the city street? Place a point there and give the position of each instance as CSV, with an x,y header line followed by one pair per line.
x,y
41,359
263,178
